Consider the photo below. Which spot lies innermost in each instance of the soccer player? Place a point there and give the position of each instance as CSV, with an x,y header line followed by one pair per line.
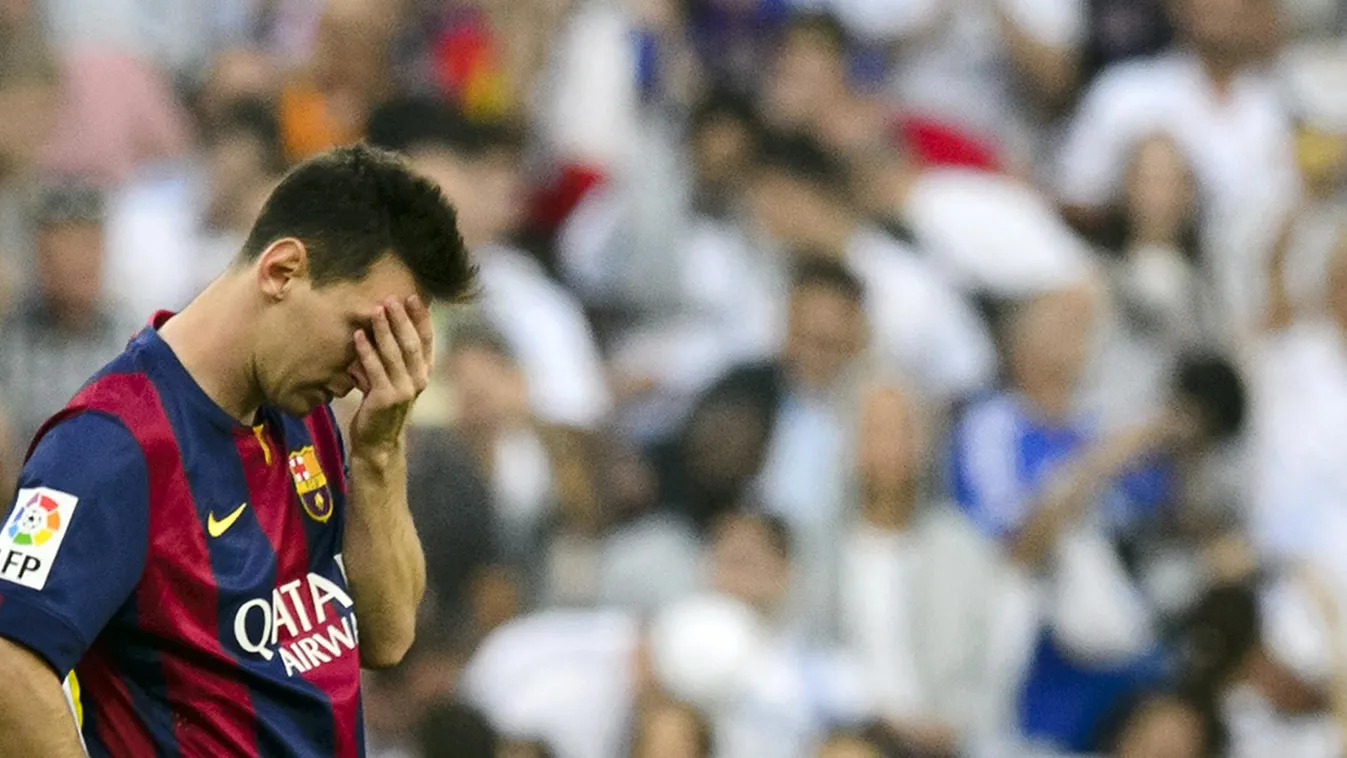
x,y
190,536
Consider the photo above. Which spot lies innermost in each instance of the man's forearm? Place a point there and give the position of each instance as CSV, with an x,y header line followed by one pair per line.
x,y
34,716
384,561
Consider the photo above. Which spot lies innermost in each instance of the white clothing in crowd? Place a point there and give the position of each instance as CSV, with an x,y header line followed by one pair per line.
x,y
546,329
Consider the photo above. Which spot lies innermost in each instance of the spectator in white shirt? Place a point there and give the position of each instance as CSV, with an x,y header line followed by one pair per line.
x,y
923,327
995,234
791,693
175,226
996,67
1300,494
1224,109
1317,81
477,167
925,598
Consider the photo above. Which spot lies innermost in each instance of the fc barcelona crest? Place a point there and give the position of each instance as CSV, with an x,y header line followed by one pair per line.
x,y
311,483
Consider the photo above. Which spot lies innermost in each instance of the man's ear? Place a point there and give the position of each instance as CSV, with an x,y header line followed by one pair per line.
x,y
281,266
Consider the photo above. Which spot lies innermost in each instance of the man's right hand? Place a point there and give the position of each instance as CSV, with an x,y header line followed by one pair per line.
x,y
35,717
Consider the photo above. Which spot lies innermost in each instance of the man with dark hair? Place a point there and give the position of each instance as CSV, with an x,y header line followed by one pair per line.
x,y
63,330
478,166
192,538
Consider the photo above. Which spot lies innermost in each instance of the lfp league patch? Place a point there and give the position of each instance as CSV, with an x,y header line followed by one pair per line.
x,y
33,534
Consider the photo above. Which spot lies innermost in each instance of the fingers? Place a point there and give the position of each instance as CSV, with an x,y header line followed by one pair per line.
x,y
371,365
357,372
425,329
409,338
390,349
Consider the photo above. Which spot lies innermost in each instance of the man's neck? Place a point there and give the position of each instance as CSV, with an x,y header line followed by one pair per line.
x,y
834,236
214,350
1221,71
891,512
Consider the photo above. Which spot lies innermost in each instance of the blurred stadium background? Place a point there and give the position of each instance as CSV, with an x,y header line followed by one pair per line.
x,y
851,378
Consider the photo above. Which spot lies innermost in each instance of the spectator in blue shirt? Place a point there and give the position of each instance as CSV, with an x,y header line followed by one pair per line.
x,y
1028,472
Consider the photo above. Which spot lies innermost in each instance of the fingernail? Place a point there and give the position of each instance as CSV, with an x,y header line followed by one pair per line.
x,y
414,301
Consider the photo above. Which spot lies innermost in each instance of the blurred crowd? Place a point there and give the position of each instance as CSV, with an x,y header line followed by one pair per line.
x,y
850,378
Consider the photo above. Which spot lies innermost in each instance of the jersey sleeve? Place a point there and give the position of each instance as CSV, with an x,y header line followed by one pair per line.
x,y
73,546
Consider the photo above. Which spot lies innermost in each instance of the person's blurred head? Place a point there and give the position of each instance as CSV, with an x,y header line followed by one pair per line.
x,y
751,559
490,392
848,745
723,133
670,729
722,445
341,235
891,451
1210,389
243,152
454,730
1168,726
825,327
350,48
809,71
236,74
476,163
29,99
799,191
1048,339
70,240
1229,32
1217,637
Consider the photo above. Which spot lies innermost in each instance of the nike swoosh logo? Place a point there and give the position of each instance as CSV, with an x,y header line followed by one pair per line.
x,y
217,528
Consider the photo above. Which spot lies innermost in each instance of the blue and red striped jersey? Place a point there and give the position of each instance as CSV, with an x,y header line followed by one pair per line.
x,y
186,569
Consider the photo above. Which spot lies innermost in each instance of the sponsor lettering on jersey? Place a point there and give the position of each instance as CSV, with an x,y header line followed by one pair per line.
x,y
306,623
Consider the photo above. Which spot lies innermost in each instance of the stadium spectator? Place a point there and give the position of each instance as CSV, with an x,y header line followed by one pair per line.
x,y
64,331
1266,654
993,68
1218,100
174,227
478,167
793,691
807,395
921,325
453,501
923,595
30,88
1300,370
1161,297
994,234
1315,78
1026,471
347,74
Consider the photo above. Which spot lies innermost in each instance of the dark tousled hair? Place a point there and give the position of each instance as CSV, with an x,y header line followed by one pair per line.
x,y
351,206
815,269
